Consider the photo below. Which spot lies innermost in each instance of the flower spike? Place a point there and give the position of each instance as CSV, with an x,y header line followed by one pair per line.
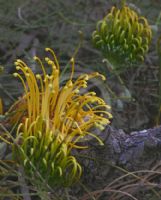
x,y
53,119
123,36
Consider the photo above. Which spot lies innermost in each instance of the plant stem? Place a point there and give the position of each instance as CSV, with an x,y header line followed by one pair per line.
x,y
24,188
112,70
67,194
123,3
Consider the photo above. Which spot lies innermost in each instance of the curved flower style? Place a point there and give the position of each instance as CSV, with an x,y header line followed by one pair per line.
x,y
123,36
54,119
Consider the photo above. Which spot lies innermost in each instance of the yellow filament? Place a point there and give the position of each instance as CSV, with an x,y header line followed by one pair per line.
x,y
34,90
45,99
54,56
41,64
72,62
38,76
26,91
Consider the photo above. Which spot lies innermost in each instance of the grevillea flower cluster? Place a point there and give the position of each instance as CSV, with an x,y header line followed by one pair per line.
x,y
123,36
53,119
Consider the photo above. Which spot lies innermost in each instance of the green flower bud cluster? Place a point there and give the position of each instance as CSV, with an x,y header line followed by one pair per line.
x,y
123,36
44,155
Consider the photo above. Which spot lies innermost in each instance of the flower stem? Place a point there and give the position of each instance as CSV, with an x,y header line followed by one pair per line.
x,y
123,3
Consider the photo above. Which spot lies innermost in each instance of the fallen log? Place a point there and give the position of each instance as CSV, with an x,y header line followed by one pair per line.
x,y
139,150
135,150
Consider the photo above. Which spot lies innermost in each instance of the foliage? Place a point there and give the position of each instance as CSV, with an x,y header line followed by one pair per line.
x,y
122,36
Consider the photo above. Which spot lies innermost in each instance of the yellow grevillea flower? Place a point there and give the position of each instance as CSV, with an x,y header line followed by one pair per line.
x,y
53,119
123,36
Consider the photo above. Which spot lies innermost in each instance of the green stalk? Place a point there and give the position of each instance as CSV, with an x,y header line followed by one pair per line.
x,y
111,68
123,3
